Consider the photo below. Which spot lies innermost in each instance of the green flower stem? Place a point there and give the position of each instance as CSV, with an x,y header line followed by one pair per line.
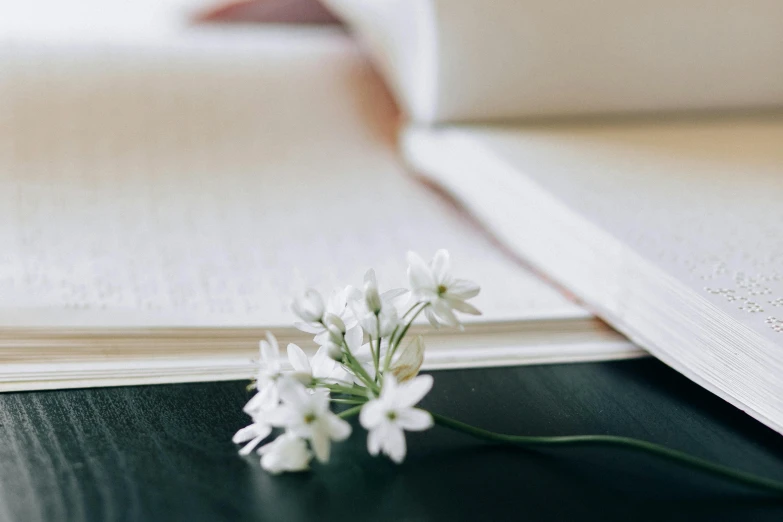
x,y
679,457
349,401
350,412
359,370
377,354
345,390
394,343
397,328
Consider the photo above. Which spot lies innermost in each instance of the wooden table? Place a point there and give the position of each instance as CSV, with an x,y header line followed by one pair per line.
x,y
164,453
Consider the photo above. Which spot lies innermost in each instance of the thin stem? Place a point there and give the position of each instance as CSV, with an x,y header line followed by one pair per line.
x,y
345,390
394,344
377,354
397,328
349,401
350,412
679,457
359,370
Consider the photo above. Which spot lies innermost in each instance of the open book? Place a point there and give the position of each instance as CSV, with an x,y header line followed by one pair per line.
x,y
160,204
669,226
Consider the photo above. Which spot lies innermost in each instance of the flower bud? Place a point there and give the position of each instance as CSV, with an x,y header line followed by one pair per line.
x,y
334,320
372,297
309,306
334,351
409,362
335,334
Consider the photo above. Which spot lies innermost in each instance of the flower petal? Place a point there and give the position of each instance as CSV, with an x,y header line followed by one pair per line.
x,y
374,438
463,289
411,392
298,359
440,265
414,419
443,312
419,274
312,328
371,414
247,433
409,361
269,353
322,337
369,277
354,338
250,446
463,307
394,444
336,302
293,393
320,442
390,295
431,317
339,429
266,399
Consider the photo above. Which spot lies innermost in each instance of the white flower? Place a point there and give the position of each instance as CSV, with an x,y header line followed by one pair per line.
x,y
371,308
321,366
387,416
286,453
336,309
258,408
309,306
307,415
269,371
253,434
435,285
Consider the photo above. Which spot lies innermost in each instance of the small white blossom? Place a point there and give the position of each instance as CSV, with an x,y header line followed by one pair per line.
x,y
307,415
387,416
321,366
269,371
432,283
336,308
253,434
286,453
258,408
309,306
371,308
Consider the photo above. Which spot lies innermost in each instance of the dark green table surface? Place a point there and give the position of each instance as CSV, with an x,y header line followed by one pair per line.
x,y
164,453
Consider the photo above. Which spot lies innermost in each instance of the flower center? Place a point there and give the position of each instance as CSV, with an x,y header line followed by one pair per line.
x,y
391,415
442,289
309,418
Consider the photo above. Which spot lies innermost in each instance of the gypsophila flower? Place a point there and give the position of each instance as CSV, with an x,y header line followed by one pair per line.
x,y
387,416
307,415
432,283
286,453
373,309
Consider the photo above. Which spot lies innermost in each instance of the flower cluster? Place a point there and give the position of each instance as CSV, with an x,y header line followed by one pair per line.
x,y
361,362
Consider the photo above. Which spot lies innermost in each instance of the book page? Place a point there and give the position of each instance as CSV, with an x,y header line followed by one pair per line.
x,y
204,181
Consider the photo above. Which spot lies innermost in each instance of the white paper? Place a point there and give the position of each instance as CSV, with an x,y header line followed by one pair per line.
x,y
203,180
